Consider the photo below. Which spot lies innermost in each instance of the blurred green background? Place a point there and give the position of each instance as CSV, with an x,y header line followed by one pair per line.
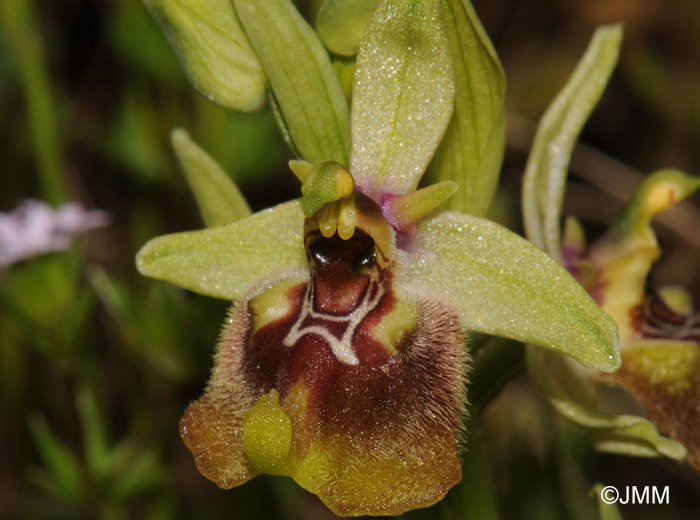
x,y
98,363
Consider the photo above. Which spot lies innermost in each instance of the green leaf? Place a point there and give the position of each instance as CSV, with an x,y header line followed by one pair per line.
x,y
60,461
471,153
218,198
545,174
214,51
503,285
302,78
341,23
606,510
95,447
403,97
574,395
228,261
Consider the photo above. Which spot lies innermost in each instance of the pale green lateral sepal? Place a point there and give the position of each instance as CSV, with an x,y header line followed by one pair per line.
x,y
213,50
218,198
574,395
471,152
557,132
227,261
301,75
403,97
503,285
342,23
403,211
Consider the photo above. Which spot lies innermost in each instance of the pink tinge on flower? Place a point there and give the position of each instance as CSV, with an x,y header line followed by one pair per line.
x,y
34,228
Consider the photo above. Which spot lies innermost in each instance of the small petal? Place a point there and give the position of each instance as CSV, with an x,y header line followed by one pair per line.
x,y
404,211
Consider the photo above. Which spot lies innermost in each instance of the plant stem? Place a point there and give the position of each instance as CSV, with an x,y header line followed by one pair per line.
x,y
18,22
496,361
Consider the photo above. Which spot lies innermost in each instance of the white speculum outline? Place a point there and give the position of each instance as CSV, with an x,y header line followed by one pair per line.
x,y
341,348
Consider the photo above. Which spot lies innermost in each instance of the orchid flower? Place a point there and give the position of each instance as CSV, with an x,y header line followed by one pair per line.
x,y
343,360
658,331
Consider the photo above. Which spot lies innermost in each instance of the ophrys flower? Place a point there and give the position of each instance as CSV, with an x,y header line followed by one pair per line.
x,y
343,361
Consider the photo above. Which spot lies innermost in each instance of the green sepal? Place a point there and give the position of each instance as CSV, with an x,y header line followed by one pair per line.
x,y
341,24
218,198
402,97
227,261
471,152
545,173
503,285
214,51
303,80
574,395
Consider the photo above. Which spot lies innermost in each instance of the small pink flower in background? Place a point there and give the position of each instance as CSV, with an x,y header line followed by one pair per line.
x,y
34,228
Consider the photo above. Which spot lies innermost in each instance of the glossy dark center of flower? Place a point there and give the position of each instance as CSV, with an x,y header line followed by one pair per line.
x,y
341,271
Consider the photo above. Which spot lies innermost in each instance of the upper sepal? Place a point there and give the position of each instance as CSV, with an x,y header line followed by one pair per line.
x,y
402,97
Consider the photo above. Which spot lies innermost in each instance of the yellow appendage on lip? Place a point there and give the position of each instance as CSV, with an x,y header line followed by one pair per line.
x,y
267,435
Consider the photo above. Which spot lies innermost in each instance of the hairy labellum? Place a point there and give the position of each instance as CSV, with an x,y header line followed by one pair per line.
x,y
339,379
